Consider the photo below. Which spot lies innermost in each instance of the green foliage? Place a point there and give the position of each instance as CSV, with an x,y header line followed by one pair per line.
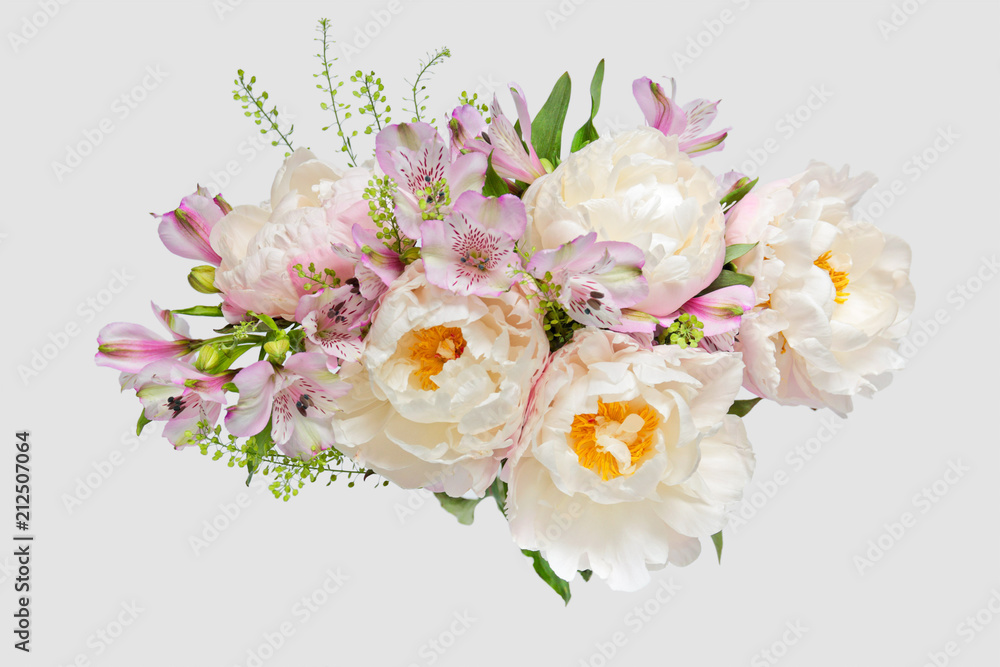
x,y
727,278
200,311
588,132
717,541
289,475
546,127
544,570
316,279
685,331
463,508
494,186
380,195
742,406
419,84
341,110
370,88
739,190
737,250
254,107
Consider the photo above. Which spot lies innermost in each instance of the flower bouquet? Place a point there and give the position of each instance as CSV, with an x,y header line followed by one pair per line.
x,y
478,313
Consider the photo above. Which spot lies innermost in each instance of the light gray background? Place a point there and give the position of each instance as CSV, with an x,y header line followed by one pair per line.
x,y
890,95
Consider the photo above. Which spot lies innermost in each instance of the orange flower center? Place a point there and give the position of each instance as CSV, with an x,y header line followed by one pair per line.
x,y
839,278
431,349
614,441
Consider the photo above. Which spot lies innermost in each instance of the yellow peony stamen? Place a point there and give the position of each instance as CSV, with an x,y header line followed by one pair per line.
x,y
839,278
614,440
431,349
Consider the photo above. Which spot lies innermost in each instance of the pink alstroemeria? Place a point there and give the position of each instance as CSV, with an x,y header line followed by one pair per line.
x,y
416,157
297,397
128,347
720,311
375,265
513,156
471,251
177,393
688,123
186,229
596,279
332,321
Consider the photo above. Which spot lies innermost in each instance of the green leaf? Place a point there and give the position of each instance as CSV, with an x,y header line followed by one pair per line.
x,y
737,250
257,448
463,508
142,422
494,185
499,492
742,406
726,279
586,574
200,311
738,193
588,132
717,541
544,570
546,128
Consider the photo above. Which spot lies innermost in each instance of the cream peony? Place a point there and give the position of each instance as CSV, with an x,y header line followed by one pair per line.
x,y
834,293
639,188
312,205
442,386
627,457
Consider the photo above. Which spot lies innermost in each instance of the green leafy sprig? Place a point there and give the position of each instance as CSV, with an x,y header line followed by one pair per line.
x,y
254,107
331,88
418,96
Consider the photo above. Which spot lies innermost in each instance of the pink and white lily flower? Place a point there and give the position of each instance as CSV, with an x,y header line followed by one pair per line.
x,y
177,393
298,398
472,250
129,348
332,321
720,311
596,280
688,123
185,230
513,155
375,264
416,157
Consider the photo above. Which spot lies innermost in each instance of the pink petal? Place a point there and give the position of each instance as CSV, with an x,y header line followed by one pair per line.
x,y
659,110
253,410
720,311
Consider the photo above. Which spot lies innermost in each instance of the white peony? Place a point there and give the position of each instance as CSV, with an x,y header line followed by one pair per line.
x,y
834,293
442,386
627,457
312,205
636,187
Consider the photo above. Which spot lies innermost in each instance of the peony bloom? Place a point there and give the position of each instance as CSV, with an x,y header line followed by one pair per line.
x,y
638,188
313,206
438,396
627,457
833,293
298,399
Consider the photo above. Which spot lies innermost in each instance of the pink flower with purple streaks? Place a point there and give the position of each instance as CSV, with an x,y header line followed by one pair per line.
x,y
298,399
513,155
688,124
417,158
185,231
595,280
178,394
473,249
130,347
332,321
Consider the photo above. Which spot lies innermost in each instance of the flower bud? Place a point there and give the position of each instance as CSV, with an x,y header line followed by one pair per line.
x,y
202,279
276,349
208,359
